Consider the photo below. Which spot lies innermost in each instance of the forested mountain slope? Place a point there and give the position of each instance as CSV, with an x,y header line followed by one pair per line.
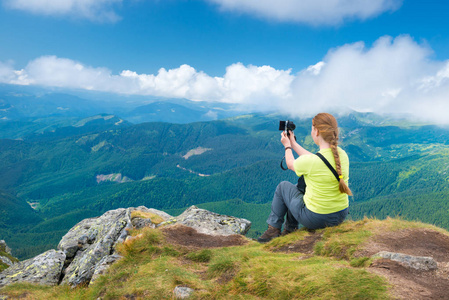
x,y
229,165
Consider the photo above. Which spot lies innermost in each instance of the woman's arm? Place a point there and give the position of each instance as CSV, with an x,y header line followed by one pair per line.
x,y
291,144
295,146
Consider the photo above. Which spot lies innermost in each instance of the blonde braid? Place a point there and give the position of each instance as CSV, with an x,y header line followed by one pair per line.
x,y
328,128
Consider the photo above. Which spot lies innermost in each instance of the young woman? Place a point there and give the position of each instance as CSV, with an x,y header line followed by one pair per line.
x,y
325,202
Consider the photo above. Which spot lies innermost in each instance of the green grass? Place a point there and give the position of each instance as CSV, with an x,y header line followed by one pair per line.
x,y
204,255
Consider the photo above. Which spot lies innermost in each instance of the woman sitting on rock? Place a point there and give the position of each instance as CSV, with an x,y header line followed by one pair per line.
x,y
325,202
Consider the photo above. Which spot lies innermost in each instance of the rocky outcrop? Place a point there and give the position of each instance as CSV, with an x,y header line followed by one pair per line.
x,y
88,249
91,240
6,259
4,247
104,265
210,223
43,269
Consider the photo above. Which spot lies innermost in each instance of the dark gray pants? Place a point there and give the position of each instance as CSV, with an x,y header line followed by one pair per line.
x,y
288,204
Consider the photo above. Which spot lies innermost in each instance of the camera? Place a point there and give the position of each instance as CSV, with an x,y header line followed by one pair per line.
x,y
286,126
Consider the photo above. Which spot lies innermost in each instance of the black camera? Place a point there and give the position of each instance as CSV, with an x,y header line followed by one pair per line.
x,y
286,126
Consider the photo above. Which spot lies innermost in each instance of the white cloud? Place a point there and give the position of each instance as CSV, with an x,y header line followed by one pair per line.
x,y
240,84
391,76
315,12
95,10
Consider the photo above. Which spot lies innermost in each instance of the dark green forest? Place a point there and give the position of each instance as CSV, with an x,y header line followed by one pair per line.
x,y
395,171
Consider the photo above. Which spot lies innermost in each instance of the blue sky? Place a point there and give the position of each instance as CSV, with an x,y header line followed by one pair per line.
x,y
292,56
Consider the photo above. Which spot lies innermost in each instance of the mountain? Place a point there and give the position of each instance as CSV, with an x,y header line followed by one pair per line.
x,y
232,166
179,112
27,110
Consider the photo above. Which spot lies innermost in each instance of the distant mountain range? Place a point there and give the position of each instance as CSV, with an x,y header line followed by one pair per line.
x,y
36,110
56,170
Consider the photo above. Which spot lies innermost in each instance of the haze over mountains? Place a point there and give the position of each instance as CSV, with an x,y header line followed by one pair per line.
x,y
65,157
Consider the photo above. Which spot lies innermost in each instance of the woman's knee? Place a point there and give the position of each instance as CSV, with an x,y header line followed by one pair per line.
x,y
283,184
281,187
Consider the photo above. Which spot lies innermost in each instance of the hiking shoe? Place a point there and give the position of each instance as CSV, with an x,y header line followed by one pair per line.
x,y
270,234
287,231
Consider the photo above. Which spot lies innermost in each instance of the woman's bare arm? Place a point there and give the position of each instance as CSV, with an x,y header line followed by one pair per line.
x,y
295,146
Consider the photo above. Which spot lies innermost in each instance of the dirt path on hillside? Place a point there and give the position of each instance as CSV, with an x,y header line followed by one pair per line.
x,y
189,237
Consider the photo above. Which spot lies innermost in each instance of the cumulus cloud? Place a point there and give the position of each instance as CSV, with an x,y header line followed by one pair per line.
x,y
241,84
394,75
315,12
95,10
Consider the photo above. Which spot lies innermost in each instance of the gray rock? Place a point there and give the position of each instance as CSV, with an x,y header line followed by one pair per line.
x,y
4,247
5,255
423,263
70,242
182,292
89,245
43,269
210,223
4,297
91,240
6,261
104,265
139,223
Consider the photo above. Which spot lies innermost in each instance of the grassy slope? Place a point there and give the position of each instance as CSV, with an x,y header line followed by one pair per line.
x,y
152,268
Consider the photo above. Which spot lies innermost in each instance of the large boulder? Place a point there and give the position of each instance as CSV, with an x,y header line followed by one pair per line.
x,y
90,245
91,240
43,269
210,223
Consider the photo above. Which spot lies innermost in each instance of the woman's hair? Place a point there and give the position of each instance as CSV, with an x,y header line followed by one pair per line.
x,y
327,127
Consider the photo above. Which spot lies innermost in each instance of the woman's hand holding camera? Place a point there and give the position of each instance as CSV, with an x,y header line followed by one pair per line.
x,y
287,140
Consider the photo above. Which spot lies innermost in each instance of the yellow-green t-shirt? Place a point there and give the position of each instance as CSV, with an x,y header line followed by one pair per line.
x,y
322,193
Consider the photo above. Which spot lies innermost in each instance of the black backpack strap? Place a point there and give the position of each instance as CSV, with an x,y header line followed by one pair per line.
x,y
328,165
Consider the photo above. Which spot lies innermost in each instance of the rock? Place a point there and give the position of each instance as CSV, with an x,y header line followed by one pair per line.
x,y
90,241
104,265
139,223
182,292
4,247
87,250
150,217
210,223
90,244
43,269
6,261
422,263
